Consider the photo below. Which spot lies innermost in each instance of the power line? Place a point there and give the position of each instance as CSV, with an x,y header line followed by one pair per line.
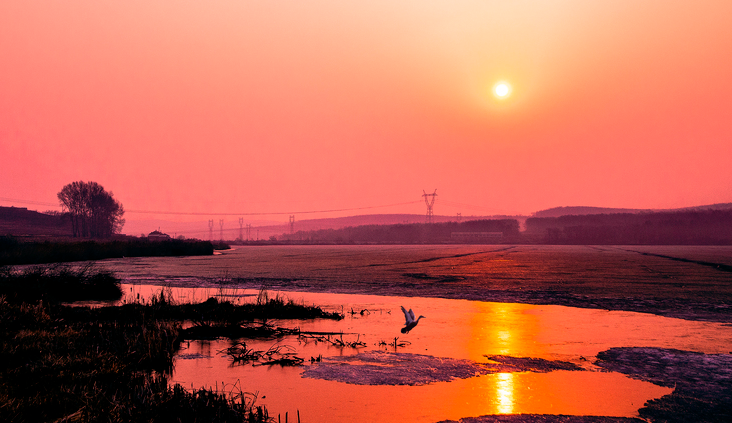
x,y
38,203
441,201
486,209
268,213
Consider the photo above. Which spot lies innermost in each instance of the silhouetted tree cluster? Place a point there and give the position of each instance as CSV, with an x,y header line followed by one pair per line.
x,y
93,211
707,227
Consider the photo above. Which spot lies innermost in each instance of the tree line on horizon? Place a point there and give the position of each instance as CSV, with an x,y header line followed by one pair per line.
x,y
699,227
408,233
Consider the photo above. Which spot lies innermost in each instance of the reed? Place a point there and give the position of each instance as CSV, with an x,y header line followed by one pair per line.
x,y
58,283
60,363
84,364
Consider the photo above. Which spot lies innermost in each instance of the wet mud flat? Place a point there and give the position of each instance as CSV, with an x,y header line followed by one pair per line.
x,y
693,284
687,282
702,382
499,361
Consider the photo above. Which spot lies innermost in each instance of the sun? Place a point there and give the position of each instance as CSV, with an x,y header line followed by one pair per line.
x,y
502,89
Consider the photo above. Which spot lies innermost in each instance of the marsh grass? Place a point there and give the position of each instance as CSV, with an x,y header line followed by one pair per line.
x,y
61,363
57,361
58,283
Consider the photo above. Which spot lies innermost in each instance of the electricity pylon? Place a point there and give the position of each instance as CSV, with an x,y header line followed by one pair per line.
x,y
429,202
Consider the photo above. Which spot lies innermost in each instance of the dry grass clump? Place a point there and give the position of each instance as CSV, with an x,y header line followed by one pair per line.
x,y
82,364
73,363
213,319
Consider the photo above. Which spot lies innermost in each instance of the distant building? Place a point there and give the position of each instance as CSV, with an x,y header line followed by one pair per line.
x,y
476,236
158,236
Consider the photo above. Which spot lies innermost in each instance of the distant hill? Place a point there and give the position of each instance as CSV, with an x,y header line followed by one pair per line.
x,y
717,206
363,220
196,229
584,210
19,221
263,229
469,231
375,219
690,226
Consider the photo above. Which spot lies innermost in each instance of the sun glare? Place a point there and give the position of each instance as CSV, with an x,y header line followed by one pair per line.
x,y
502,89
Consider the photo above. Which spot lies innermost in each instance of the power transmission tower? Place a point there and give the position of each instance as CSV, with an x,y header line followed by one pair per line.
x,y
459,217
292,224
429,202
221,226
210,230
249,231
241,229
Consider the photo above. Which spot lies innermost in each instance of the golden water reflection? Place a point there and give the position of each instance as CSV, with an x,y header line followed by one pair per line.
x,y
501,329
504,393
463,330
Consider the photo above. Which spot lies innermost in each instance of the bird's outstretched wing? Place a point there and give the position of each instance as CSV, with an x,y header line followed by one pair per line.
x,y
408,315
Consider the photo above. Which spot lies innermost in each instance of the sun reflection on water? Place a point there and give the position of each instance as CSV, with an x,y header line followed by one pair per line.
x,y
504,393
504,329
457,329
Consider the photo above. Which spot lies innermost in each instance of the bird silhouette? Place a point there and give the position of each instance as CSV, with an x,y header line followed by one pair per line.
x,y
411,321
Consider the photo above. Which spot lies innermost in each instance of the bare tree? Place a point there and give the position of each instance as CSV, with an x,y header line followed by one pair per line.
x,y
93,211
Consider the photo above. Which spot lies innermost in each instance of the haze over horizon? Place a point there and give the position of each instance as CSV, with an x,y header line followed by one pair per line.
x,y
260,107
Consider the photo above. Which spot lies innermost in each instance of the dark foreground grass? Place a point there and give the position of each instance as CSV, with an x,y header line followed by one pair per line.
x,y
58,284
82,364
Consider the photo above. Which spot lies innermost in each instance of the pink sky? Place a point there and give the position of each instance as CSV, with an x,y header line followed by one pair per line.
x,y
260,106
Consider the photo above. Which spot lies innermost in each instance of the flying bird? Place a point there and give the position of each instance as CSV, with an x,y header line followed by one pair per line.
x,y
411,321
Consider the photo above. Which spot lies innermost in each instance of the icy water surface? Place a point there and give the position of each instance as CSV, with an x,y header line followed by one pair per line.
x,y
472,296
442,371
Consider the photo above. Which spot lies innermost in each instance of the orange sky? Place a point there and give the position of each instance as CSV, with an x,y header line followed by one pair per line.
x,y
259,106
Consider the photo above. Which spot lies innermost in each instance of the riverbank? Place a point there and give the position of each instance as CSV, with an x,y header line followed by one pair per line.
x,y
14,251
65,363
692,282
